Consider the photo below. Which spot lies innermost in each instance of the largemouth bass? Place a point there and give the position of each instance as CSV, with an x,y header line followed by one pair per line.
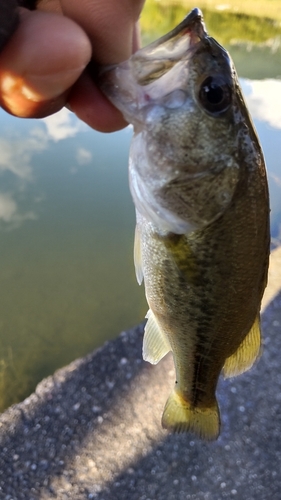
x,y
198,181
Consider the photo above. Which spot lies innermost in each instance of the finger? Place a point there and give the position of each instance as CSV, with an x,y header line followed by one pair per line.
x,y
88,102
114,33
90,105
110,25
43,59
9,20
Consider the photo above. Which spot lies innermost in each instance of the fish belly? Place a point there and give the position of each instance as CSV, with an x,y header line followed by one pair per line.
x,y
204,307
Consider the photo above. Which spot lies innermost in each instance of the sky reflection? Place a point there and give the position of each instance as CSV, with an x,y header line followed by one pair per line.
x,y
67,221
23,145
63,125
263,99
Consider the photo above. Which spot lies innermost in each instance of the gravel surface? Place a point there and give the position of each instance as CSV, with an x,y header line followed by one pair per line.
x,y
92,431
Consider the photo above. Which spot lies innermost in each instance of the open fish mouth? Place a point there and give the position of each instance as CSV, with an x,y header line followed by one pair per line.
x,y
135,77
153,61
158,73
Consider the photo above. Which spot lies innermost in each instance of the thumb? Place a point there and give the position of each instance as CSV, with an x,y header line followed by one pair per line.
x,y
42,60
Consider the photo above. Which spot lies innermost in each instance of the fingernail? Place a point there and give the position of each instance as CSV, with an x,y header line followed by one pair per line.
x,y
16,94
20,94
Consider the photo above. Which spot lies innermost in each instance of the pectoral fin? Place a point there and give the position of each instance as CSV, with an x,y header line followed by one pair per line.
x,y
180,250
246,354
137,256
155,342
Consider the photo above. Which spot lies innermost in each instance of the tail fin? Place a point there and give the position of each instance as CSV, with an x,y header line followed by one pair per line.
x,y
180,416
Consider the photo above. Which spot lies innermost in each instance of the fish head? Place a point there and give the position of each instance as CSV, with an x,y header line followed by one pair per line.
x,y
192,131
165,72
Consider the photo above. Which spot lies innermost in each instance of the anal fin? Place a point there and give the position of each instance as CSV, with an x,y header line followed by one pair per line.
x,y
155,342
246,354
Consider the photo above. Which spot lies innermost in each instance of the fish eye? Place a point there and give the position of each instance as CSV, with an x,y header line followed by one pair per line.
x,y
215,95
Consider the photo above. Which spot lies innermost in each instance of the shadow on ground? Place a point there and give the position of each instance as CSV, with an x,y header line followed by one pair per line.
x,y
93,431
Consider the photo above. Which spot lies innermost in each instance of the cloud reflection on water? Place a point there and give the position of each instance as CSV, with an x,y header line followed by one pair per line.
x,y
20,146
83,156
10,213
263,99
62,125
17,151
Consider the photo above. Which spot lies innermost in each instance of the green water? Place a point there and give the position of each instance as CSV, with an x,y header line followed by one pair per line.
x,y
67,223
66,267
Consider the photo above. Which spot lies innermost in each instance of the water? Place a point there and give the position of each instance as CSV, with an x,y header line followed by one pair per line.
x,y
66,267
67,224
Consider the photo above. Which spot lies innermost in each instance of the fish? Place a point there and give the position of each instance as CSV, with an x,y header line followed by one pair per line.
x,y
198,180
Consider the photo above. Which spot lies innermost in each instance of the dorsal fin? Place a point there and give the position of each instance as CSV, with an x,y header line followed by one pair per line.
x,y
155,342
137,256
246,354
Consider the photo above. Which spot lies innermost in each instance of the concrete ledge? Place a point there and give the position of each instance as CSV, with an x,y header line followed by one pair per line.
x,y
93,431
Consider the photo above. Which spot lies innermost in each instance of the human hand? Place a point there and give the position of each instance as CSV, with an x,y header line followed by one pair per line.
x,y
44,66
